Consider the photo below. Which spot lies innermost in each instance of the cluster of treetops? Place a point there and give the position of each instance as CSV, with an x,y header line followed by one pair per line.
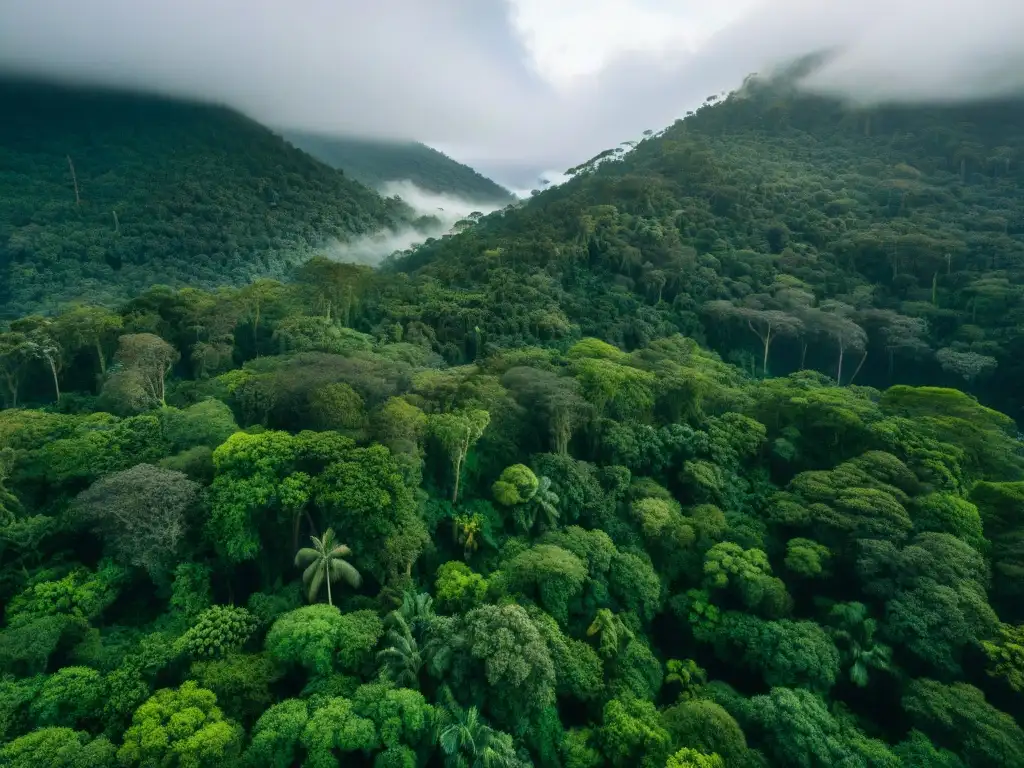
x,y
786,231
336,521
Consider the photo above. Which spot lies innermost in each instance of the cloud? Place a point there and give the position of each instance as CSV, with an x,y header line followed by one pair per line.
x,y
518,86
446,210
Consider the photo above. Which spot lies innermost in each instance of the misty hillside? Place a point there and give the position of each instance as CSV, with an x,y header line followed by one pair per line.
x,y
168,192
894,237
375,163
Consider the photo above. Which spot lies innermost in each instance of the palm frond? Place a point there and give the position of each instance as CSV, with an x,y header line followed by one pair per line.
x,y
340,569
341,550
315,581
305,556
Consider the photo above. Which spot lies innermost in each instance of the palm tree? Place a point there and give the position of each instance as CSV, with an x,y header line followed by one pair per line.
x,y
468,742
543,503
416,610
546,501
402,660
325,562
467,530
855,637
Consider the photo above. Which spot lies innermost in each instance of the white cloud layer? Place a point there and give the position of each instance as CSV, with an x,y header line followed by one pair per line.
x,y
371,249
509,84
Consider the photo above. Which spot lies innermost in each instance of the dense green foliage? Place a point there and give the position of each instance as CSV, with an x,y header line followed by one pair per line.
x,y
161,192
786,232
374,163
370,517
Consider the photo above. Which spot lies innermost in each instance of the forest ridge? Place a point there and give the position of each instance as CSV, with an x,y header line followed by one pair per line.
x,y
104,193
699,460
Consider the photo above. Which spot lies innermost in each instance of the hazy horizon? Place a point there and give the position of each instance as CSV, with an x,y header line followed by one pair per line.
x,y
513,88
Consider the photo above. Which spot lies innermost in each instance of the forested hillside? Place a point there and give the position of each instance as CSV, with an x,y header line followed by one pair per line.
x,y
374,163
496,506
103,194
787,232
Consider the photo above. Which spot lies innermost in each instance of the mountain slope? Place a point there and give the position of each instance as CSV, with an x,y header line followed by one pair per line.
x,y
895,232
375,163
168,192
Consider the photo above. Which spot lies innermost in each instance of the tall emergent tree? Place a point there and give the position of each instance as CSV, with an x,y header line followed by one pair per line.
x,y
458,432
147,359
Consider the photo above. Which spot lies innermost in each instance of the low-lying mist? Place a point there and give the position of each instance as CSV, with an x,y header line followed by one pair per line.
x,y
445,210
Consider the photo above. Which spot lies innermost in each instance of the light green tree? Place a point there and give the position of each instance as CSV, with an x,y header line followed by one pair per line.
x,y
457,432
181,728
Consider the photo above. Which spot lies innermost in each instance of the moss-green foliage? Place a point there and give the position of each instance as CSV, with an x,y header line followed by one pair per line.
x,y
217,631
59,748
181,726
584,539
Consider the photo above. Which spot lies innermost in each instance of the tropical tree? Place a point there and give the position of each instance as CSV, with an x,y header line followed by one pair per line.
x,y
86,327
688,675
468,742
325,562
854,635
15,356
147,359
43,344
402,660
457,433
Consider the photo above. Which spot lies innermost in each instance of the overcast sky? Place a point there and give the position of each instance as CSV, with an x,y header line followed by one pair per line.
x,y
510,86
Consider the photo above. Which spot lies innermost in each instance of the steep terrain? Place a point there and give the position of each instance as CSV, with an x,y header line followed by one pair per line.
x,y
895,232
375,163
167,192
498,510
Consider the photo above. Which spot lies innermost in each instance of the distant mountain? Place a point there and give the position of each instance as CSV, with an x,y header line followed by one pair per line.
x,y
375,163
104,193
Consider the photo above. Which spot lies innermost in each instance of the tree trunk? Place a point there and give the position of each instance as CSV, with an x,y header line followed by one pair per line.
x,y
803,355
839,374
53,370
256,329
862,359
327,578
767,344
100,356
74,180
12,388
458,475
